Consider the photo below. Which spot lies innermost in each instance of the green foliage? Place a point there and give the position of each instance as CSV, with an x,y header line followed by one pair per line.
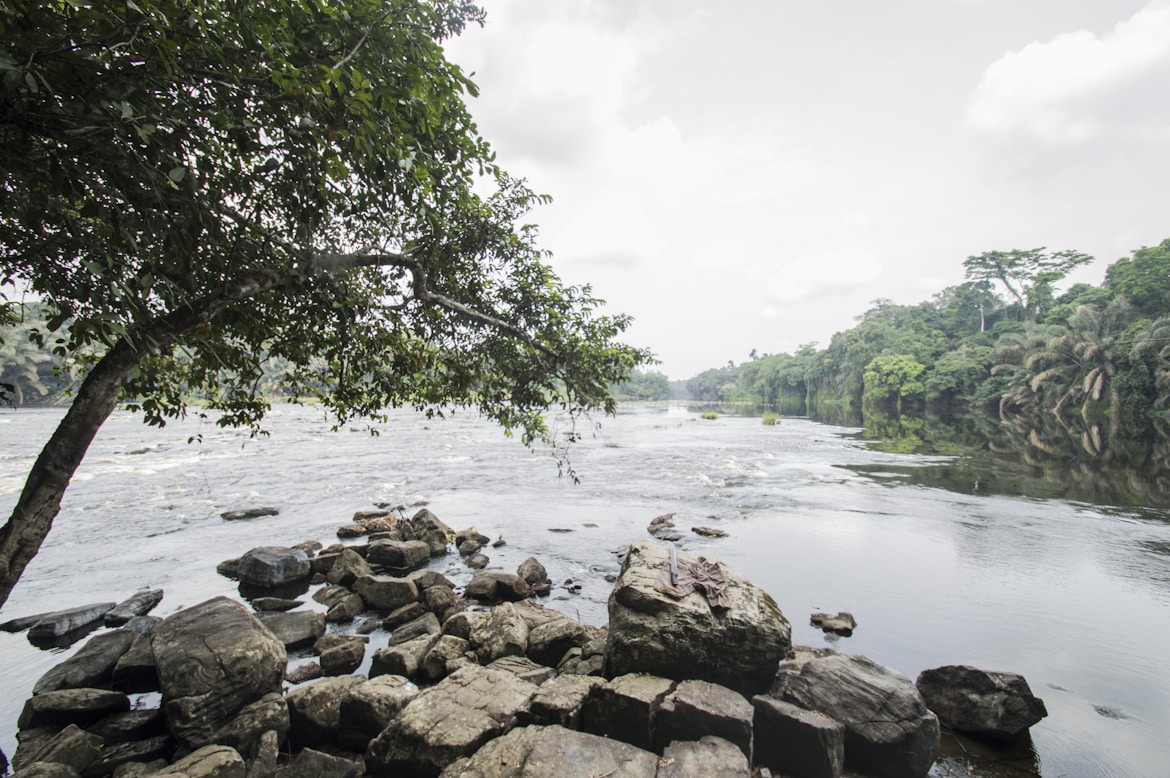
x,y
643,386
709,415
217,185
1026,275
894,377
771,420
1143,279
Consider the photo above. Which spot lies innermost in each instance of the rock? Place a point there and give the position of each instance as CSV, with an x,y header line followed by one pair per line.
x,y
589,659
333,639
315,711
310,547
494,586
323,562
345,610
439,600
47,770
275,604
71,706
447,721
369,708
214,761
386,593
661,525
343,658
229,568
112,757
295,629
346,531
269,567
404,659
430,530
532,571
698,708
427,624
138,604
213,659
708,756
264,763
445,649
980,702
309,671
469,547
135,670
142,625
524,668
425,579
548,643
347,568
72,747
471,535
45,626
246,731
92,665
477,561
842,624
652,632
559,701
499,542
503,633
709,532
624,708
315,764
403,615
130,725
888,729
537,752
463,623
790,740
249,513
399,555
331,595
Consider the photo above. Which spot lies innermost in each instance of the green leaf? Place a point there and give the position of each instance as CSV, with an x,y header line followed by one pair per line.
x,y
176,174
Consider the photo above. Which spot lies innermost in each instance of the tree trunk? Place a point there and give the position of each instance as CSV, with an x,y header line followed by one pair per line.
x,y
31,519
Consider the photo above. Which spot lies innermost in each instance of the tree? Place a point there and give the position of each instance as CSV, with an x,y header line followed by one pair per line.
x,y
1026,275
893,377
194,187
1144,279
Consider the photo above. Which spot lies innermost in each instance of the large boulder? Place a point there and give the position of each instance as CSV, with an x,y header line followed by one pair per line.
x,y
450,720
212,660
889,731
91,666
650,631
315,711
709,755
536,752
269,567
428,528
495,586
503,633
71,706
980,702
790,740
400,556
699,708
385,593
368,708
625,708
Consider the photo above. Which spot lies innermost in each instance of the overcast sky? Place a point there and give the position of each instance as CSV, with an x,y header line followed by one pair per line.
x,y
750,174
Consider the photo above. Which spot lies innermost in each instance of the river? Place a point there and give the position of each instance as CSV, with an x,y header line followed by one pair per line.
x,y
1073,595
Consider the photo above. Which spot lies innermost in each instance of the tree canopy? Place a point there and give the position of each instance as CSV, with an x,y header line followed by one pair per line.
x,y
194,190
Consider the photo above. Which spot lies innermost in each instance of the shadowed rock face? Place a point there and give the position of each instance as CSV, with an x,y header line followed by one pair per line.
x,y
652,632
981,702
212,660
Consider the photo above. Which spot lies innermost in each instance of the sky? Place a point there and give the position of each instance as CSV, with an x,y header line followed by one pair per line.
x,y
752,174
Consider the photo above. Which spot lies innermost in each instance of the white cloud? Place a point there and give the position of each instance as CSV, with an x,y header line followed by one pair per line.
x,y
1080,87
821,273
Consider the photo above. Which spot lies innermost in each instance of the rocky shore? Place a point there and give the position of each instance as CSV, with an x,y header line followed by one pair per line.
x,y
694,675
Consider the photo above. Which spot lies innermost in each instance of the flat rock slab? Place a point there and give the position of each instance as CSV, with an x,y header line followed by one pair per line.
x,y
294,629
212,761
450,720
991,704
539,752
212,660
709,756
138,604
92,665
71,706
58,623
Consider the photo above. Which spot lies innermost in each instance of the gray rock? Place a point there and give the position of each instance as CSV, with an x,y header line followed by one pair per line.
x,y
447,648
245,732
790,740
540,752
493,586
404,659
249,513
348,567
331,595
275,604
295,629
842,624
477,561
303,673
351,530
471,535
698,708
130,725
991,704
263,765
138,604
548,643
400,616
47,770
369,708
71,706
589,659
386,593
143,625
450,720
503,633
315,764
59,623
427,624
315,711
532,571
524,668
214,761
345,610
888,729
708,756
439,599
463,623
112,757
213,659
136,670
268,567
469,547
399,555
72,746
559,701
427,527
652,632
92,665
624,708
343,658
425,579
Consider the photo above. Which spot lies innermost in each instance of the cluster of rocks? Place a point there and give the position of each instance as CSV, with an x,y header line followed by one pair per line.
x,y
487,682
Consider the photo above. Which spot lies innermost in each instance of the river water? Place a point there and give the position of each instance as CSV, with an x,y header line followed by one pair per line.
x,y
1075,596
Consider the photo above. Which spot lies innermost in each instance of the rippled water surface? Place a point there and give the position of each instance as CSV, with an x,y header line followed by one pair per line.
x,y
1074,596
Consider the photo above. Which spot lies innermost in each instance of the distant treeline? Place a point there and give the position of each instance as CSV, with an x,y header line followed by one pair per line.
x,y
1095,360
